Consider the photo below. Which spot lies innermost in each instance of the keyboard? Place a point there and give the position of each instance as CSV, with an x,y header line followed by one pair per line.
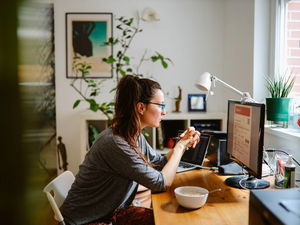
x,y
186,165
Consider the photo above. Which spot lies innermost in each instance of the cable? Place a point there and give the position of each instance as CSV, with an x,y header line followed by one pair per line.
x,y
266,160
241,185
272,171
246,176
278,150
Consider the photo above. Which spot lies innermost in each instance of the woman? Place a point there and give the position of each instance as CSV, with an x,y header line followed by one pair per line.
x,y
120,159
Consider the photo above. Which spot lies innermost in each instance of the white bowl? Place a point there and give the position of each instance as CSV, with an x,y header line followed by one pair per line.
x,y
191,197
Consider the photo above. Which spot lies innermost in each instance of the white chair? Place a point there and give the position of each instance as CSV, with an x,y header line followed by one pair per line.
x,y
57,191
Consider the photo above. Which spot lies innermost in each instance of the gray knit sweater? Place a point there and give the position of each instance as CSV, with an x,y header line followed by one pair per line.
x,y
108,178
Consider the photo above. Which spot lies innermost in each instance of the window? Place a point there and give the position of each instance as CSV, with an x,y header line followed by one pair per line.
x,y
289,39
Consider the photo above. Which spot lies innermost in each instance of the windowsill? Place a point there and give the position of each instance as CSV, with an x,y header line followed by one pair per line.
x,y
282,132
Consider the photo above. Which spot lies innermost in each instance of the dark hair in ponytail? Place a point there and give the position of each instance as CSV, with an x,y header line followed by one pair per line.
x,y
126,121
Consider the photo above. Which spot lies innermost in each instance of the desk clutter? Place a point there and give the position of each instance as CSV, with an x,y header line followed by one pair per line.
x,y
231,168
281,165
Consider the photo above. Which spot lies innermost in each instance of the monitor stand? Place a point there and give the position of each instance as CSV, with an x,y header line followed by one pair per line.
x,y
248,182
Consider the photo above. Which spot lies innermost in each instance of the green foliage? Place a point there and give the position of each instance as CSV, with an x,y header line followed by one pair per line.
x,y
122,65
93,133
281,86
92,90
129,28
163,60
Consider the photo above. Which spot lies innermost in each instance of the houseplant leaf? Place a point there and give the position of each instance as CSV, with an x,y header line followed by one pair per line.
x,y
76,103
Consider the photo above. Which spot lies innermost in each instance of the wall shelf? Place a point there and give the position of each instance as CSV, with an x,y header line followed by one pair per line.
x,y
158,137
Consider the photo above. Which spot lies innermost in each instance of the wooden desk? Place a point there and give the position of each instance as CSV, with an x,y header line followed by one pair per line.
x,y
229,206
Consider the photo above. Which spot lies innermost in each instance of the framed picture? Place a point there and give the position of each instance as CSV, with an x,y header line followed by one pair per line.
x,y
86,34
197,102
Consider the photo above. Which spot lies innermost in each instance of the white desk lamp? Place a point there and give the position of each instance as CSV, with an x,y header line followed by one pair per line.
x,y
204,84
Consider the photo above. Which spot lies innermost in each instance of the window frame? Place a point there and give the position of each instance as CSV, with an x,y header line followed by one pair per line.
x,y
278,65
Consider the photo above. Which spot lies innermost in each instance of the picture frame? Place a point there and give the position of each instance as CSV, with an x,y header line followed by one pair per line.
x,y
85,37
197,102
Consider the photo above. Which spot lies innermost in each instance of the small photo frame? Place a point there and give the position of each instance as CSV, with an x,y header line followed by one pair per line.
x,y
86,34
197,102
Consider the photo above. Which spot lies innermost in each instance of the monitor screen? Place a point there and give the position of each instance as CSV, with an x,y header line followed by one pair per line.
x,y
245,134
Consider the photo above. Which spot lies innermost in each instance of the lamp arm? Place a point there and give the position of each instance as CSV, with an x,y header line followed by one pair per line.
x,y
246,97
227,85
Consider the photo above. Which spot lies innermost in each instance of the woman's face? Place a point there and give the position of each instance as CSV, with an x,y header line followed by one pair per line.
x,y
153,113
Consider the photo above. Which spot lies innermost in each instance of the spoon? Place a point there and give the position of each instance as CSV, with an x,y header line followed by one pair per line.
x,y
218,189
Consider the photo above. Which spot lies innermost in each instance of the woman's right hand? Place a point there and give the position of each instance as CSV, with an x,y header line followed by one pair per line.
x,y
189,138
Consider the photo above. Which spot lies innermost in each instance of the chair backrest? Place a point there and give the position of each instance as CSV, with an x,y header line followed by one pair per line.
x,y
57,191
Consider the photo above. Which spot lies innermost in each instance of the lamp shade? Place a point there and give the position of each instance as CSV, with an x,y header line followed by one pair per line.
x,y
204,82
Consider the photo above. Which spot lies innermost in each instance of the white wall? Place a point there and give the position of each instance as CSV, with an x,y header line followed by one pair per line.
x,y
198,35
262,44
238,44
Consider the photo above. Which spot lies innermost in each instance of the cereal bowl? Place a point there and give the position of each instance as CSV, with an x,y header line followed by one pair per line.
x,y
191,197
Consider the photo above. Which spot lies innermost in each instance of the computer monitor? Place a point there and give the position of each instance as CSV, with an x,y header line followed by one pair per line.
x,y
245,137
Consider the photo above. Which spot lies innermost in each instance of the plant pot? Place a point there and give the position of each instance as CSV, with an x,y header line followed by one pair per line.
x,y
278,109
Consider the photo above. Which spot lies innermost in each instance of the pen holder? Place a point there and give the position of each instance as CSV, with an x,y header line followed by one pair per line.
x,y
280,162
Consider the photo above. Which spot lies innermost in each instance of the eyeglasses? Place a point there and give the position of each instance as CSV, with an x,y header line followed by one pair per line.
x,y
163,106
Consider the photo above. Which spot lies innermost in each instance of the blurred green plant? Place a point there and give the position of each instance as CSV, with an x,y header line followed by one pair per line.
x,y
121,64
91,89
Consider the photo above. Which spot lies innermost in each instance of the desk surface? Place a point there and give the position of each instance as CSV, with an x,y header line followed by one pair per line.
x,y
229,206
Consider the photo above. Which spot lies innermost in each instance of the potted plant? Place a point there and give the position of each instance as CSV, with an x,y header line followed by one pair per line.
x,y
277,105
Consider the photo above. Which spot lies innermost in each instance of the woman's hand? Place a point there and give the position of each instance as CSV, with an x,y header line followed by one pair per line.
x,y
187,139
190,137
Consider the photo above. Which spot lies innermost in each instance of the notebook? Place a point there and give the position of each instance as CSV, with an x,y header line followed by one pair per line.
x,y
193,157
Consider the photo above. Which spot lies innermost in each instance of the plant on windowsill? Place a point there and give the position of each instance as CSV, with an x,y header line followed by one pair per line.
x,y
279,88
122,65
